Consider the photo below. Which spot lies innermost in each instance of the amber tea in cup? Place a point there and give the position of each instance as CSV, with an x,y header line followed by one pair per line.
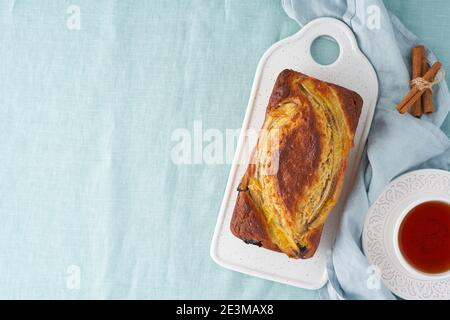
x,y
424,237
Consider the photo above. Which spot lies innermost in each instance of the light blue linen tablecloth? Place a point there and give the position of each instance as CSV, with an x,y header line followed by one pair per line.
x,y
90,93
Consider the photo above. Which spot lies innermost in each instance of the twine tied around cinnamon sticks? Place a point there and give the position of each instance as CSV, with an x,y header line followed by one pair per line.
x,y
423,84
420,98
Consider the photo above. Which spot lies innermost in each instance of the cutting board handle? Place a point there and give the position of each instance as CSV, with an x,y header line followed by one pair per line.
x,y
336,29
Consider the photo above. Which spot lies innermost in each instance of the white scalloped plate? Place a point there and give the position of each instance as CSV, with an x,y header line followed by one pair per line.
x,y
404,192
351,70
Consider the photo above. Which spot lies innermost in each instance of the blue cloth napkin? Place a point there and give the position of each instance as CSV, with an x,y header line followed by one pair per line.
x,y
397,143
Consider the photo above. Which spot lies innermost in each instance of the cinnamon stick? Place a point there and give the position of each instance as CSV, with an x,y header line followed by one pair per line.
x,y
427,98
417,58
415,94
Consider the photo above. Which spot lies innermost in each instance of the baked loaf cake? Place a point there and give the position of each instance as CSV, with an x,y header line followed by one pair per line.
x,y
297,168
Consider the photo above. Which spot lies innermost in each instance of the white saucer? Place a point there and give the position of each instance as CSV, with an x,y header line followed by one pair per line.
x,y
378,242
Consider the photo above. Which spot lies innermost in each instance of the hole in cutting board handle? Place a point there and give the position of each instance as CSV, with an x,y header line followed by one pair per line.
x,y
325,50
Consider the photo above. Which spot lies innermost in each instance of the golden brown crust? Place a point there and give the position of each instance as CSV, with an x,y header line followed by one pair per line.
x,y
285,88
352,103
299,156
312,243
247,223
313,124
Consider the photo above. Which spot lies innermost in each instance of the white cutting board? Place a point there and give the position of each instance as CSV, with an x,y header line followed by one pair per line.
x,y
351,70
